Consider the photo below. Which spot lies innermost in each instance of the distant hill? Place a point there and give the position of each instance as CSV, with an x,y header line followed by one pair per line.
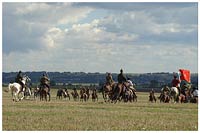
x,y
142,80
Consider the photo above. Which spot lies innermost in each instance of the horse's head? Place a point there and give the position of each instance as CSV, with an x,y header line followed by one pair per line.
x,y
26,79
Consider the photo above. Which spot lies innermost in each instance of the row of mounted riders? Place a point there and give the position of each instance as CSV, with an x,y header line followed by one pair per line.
x,y
112,92
184,95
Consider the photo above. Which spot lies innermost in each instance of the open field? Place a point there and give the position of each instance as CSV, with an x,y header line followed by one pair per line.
x,y
61,115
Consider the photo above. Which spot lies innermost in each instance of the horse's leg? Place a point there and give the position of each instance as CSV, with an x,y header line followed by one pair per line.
x,y
16,97
13,97
41,96
49,96
45,96
22,95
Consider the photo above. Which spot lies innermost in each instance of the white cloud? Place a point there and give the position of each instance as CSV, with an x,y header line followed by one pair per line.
x,y
138,41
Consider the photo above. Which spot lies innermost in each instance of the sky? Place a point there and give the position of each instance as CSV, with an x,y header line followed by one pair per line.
x,y
100,37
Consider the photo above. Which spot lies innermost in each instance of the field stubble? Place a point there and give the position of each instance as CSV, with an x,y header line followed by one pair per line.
x,y
62,115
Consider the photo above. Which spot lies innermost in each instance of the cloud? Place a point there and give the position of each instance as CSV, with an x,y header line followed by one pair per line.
x,y
136,37
26,23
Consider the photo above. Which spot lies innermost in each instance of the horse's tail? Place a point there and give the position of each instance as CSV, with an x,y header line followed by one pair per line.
x,y
9,87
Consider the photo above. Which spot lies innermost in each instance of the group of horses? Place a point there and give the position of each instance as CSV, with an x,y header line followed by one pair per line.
x,y
119,92
184,96
83,95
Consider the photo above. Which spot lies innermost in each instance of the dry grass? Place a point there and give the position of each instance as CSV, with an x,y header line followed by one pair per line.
x,y
62,115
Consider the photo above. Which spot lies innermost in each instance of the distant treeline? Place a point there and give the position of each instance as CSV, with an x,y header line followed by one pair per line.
x,y
146,80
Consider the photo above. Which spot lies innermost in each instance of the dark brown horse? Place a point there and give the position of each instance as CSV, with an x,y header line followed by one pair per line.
x,y
66,94
44,91
88,93
36,92
94,95
152,97
62,93
75,95
59,93
165,97
83,95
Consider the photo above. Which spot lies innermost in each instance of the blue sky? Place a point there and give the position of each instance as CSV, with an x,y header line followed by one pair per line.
x,y
100,37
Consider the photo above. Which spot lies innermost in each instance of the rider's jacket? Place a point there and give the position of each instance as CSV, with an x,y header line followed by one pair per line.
x,y
121,78
19,77
175,83
109,79
44,80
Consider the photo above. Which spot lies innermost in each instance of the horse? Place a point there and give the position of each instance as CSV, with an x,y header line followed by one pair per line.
x,y
152,97
94,95
83,95
36,92
132,88
66,94
44,91
127,95
16,89
88,93
75,95
118,92
174,94
107,92
59,94
27,93
165,97
194,96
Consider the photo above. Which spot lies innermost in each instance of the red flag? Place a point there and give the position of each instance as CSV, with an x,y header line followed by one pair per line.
x,y
185,75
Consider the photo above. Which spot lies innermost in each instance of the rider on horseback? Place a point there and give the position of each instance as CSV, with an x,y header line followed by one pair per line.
x,y
164,90
176,83
18,79
44,81
122,79
109,79
130,85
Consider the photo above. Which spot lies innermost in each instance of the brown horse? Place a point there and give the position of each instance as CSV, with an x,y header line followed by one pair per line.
x,y
59,94
182,98
118,92
83,95
88,93
44,91
36,92
75,95
94,95
107,92
152,97
66,94
62,93
165,97
185,96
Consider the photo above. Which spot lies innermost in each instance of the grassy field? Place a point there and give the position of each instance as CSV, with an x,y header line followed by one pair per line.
x,y
62,115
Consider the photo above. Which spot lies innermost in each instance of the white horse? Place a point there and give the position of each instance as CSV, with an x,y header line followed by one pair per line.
x,y
174,93
15,89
